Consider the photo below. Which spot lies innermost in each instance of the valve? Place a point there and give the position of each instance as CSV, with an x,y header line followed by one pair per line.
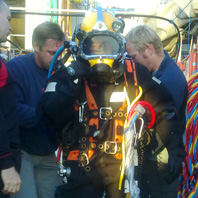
x,y
64,172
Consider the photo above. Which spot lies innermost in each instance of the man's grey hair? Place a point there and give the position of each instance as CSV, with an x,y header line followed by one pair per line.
x,y
142,35
47,30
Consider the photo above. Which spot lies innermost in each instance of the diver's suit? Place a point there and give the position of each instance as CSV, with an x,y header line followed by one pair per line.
x,y
89,145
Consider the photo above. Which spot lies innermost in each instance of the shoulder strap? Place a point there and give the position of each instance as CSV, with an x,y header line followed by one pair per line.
x,y
131,69
90,99
92,105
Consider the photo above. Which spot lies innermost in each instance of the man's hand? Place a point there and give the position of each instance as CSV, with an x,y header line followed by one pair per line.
x,y
174,167
11,181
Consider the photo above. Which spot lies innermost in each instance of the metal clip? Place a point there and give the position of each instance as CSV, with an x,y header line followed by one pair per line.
x,y
83,160
108,146
135,135
81,111
141,128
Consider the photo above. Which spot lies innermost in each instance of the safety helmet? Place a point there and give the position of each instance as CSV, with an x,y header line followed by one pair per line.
x,y
100,42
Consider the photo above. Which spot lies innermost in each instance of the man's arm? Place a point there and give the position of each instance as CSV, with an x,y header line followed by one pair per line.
x,y
9,175
57,104
26,113
6,160
168,125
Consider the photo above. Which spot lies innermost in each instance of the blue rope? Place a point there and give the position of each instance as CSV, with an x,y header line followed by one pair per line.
x,y
182,9
189,22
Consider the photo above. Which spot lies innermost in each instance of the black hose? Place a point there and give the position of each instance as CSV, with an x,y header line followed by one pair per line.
x,y
162,18
15,45
120,14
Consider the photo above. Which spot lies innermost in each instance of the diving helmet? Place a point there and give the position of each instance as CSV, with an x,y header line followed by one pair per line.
x,y
100,42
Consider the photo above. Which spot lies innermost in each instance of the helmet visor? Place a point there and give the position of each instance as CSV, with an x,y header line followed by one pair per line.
x,y
101,45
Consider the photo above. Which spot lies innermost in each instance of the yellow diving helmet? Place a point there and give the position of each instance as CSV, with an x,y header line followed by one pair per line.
x,y
100,42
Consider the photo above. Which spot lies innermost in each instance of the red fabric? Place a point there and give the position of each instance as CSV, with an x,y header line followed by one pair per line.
x,y
148,106
3,74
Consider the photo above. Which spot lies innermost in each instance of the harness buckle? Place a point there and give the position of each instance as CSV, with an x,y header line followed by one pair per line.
x,y
105,112
81,110
83,160
110,147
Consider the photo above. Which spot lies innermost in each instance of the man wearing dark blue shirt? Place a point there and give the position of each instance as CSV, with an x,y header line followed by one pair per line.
x,y
38,142
162,168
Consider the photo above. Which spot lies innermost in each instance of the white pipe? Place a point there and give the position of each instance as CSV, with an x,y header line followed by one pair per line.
x,y
52,10
67,10
21,35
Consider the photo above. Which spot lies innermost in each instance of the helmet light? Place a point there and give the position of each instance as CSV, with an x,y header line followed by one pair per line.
x,y
118,25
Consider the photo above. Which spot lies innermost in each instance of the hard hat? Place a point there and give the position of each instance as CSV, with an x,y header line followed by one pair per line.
x,y
100,41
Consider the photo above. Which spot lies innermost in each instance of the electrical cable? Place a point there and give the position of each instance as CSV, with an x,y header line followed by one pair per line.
x,y
133,119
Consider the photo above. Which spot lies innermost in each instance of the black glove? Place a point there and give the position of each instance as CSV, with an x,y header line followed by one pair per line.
x,y
69,79
175,167
78,70
70,133
56,109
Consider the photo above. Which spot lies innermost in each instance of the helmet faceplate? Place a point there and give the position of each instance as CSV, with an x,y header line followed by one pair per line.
x,y
99,43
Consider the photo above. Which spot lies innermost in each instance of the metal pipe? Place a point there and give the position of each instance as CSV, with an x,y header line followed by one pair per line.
x,y
19,35
47,14
47,9
117,14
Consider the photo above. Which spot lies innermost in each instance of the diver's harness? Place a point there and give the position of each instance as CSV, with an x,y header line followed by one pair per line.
x,y
97,118
98,141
